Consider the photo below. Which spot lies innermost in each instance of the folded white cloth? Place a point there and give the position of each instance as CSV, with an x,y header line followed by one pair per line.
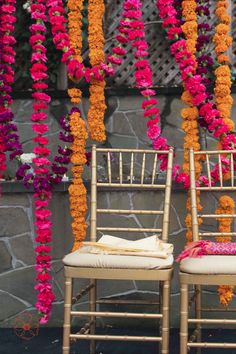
x,y
145,247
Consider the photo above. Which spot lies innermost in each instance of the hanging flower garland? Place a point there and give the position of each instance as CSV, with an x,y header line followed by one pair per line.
x,y
97,106
204,58
41,178
78,133
226,206
77,190
223,41
9,138
190,114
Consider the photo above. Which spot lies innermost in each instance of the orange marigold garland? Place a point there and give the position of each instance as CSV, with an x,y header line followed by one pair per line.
x,y
223,41
226,206
97,108
190,113
77,190
75,16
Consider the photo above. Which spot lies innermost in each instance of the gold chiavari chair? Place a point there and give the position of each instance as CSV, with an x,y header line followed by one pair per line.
x,y
122,267
209,269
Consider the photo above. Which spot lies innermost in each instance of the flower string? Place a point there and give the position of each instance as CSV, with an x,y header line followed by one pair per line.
x,y
226,206
204,58
132,30
77,133
41,177
97,106
190,114
77,190
59,166
222,41
9,138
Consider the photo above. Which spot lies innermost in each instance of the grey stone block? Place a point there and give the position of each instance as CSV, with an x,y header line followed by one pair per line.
x,y
13,221
121,124
20,283
10,306
16,199
61,219
173,117
23,249
5,257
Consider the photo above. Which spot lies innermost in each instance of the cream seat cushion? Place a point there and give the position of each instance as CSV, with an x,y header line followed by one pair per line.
x,y
115,252
86,259
209,265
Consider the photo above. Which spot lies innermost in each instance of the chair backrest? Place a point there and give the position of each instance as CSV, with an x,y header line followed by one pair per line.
x,y
215,163
130,170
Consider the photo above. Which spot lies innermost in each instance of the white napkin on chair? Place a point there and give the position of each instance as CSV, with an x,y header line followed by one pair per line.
x,y
145,247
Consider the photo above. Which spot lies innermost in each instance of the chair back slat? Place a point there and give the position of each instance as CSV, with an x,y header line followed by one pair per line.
x,y
131,170
220,171
109,166
232,169
223,181
121,167
143,168
154,167
208,170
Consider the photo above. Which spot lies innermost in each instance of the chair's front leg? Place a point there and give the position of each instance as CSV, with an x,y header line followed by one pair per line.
x,y
165,319
184,318
67,316
92,307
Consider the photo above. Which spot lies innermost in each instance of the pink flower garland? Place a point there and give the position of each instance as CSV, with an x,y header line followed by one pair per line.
x,y
9,138
41,179
76,70
195,83
133,28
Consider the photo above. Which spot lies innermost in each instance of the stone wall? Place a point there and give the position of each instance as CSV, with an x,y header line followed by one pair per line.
x,y
125,128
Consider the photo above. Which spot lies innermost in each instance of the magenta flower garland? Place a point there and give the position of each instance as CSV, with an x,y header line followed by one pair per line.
x,y
133,27
41,179
9,138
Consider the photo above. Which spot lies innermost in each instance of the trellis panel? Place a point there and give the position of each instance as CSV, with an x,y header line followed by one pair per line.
x,y
165,72
164,69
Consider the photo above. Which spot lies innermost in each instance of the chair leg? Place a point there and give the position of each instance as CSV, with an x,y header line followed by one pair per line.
x,y
184,318
92,307
160,309
165,319
67,316
198,314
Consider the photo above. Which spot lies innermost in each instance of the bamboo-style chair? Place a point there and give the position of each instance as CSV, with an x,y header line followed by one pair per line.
x,y
207,270
117,267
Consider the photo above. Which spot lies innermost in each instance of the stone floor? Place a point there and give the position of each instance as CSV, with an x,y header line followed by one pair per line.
x,y
49,341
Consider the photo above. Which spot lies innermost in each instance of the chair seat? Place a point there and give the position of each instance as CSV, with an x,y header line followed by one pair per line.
x,y
209,265
81,258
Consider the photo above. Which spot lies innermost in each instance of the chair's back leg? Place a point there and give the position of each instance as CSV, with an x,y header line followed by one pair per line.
x,y
92,307
67,316
183,318
198,312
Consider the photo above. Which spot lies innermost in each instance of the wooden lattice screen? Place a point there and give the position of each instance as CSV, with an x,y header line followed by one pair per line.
x,y
163,64
164,68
